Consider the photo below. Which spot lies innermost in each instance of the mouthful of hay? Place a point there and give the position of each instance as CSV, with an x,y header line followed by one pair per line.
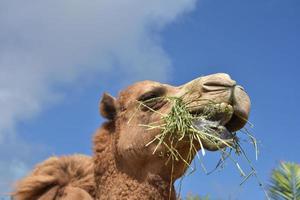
x,y
201,127
212,121
211,126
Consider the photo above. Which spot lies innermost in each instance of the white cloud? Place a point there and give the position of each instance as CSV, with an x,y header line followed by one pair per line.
x,y
58,42
45,43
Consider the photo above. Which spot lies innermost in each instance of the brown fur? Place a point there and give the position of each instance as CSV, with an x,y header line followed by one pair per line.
x,y
115,183
123,166
55,176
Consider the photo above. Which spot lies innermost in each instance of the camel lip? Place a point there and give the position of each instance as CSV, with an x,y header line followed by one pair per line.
x,y
230,117
221,113
238,120
213,128
236,123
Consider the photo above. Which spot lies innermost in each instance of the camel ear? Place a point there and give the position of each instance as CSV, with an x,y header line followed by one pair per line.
x,y
108,108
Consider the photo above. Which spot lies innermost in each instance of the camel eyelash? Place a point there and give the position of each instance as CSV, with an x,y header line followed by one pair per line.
x,y
147,97
152,100
152,95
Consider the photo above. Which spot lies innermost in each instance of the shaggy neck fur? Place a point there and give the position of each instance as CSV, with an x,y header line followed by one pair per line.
x,y
113,183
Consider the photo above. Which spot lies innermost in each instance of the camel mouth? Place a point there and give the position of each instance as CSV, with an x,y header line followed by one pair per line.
x,y
221,120
208,126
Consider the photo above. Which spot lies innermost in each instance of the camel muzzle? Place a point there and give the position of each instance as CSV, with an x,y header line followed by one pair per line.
x,y
221,90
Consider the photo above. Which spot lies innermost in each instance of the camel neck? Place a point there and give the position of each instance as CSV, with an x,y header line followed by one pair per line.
x,y
114,184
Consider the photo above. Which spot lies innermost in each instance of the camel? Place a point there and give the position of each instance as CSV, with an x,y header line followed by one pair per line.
x,y
123,165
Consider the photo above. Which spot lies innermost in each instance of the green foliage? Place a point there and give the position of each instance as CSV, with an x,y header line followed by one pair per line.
x,y
285,182
196,197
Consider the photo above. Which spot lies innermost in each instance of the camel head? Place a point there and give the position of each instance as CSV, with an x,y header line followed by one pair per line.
x,y
144,105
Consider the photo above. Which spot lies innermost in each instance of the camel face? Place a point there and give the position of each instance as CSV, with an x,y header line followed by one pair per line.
x,y
143,103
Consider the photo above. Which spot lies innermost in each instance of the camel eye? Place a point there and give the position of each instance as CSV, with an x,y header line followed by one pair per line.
x,y
152,100
148,97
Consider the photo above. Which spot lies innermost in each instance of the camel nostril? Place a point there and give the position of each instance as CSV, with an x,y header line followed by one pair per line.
x,y
220,83
218,80
240,87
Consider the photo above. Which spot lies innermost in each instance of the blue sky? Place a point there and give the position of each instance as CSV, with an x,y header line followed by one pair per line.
x,y
59,72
